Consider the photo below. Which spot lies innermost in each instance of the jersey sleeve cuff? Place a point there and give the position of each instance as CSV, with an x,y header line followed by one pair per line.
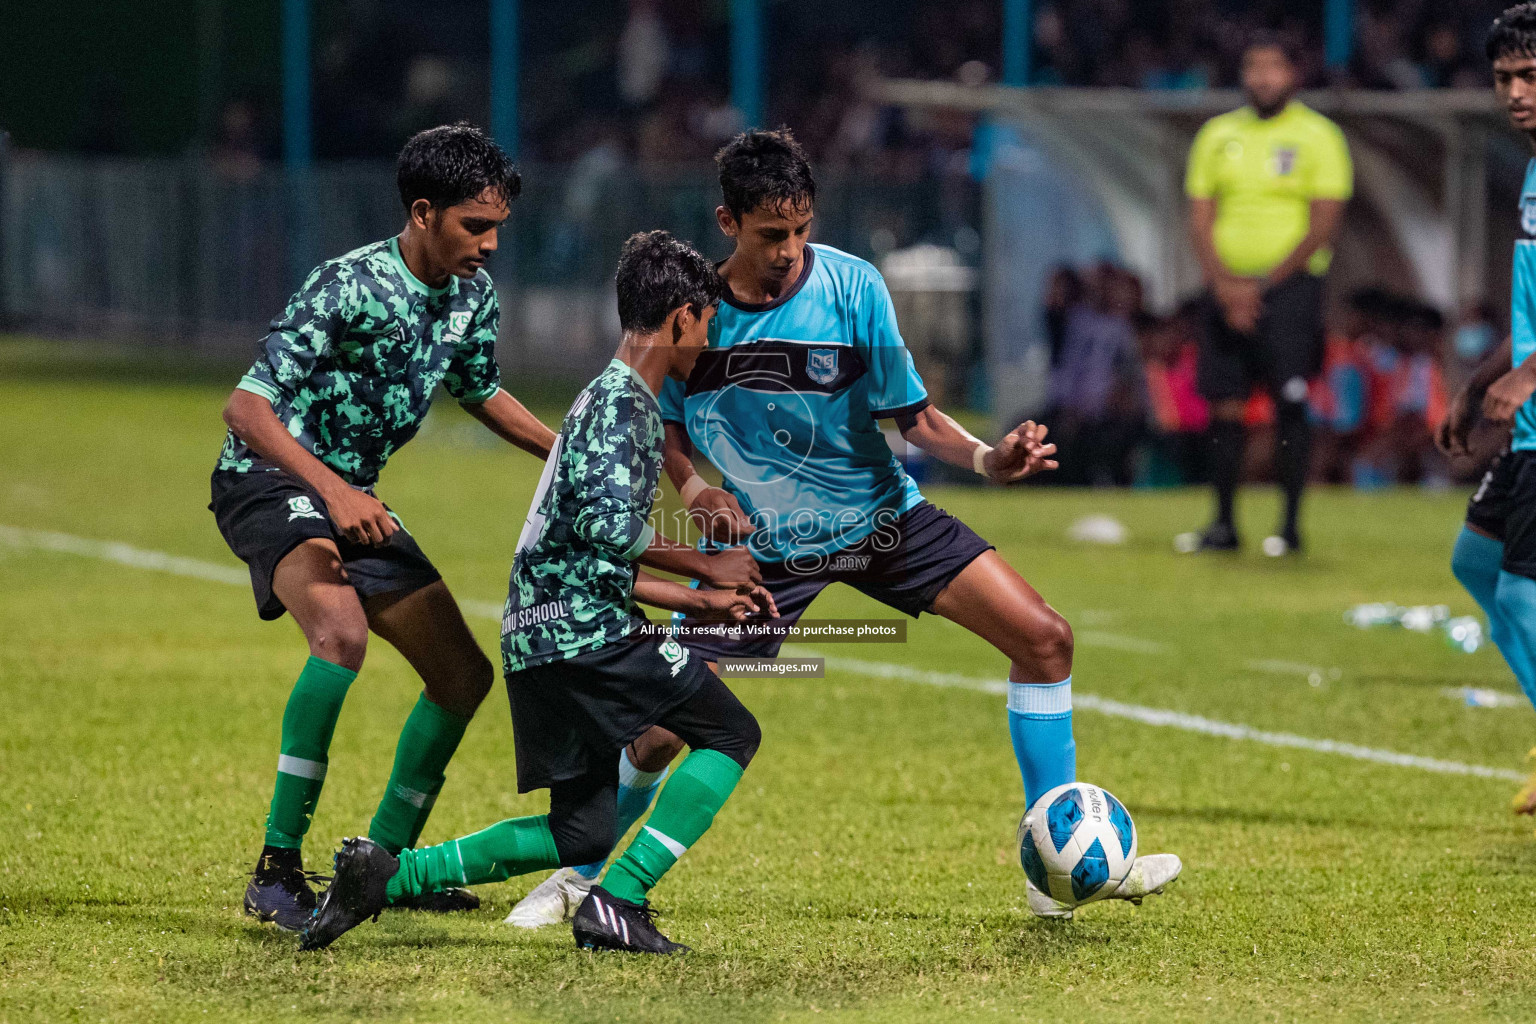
x,y
905,410
481,396
259,387
647,534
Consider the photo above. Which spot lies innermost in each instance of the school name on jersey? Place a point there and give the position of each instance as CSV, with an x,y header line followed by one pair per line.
x,y
534,616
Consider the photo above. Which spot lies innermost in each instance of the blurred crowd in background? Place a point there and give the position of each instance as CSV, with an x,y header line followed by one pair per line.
x,y
611,84
657,89
648,80
1125,410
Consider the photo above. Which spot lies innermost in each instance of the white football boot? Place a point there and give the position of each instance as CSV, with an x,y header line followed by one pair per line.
x,y
1149,876
552,901
1045,907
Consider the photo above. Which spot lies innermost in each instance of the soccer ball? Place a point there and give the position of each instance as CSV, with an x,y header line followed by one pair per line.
x,y
1077,843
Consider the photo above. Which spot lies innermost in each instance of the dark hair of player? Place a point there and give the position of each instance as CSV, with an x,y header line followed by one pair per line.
x,y
1268,39
659,273
765,169
452,164
1513,33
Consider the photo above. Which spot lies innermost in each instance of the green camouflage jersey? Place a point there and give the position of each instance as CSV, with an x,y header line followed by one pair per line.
x,y
574,574
351,365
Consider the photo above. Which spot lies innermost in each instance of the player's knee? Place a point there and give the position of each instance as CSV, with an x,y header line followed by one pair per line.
x,y
1469,571
341,640
461,684
741,737
1050,640
1510,601
749,736
585,848
584,838
655,749
479,677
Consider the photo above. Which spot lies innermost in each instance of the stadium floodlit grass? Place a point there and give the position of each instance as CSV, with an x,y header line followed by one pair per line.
x,y
865,869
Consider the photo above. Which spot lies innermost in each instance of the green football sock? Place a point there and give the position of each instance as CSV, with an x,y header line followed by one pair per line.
x,y
684,811
308,724
508,848
427,743
422,815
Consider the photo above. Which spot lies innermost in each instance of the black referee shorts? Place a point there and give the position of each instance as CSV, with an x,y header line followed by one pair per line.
x,y
1282,354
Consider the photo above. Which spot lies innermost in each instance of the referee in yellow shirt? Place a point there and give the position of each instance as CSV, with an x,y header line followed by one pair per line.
x,y
1267,186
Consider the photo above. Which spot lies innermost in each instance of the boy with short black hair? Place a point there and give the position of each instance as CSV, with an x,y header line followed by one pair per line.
x,y
584,675
1495,555
341,382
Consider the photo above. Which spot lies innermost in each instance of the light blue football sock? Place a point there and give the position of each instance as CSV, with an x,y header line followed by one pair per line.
x,y
1040,722
636,791
1515,598
1475,562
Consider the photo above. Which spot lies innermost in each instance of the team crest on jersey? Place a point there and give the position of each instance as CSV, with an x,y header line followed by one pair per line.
x,y
302,508
821,365
1285,160
458,323
1528,213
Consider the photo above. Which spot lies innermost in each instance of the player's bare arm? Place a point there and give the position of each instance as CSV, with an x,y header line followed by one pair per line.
x,y
361,517
712,605
1462,415
511,421
715,512
731,569
1023,453
1507,394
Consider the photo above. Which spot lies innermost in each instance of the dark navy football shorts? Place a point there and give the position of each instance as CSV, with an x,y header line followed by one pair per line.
x,y
905,565
1489,508
265,515
1512,492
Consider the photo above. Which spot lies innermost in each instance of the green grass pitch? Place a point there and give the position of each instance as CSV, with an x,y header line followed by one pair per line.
x,y
865,869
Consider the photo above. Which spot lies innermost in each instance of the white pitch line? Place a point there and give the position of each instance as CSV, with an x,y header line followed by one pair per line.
x,y
1186,722
483,609
1284,668
159,561
1479,697
1118,642
123,554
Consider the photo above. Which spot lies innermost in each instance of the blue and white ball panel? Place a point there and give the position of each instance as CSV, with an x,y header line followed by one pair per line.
x,y
1077,843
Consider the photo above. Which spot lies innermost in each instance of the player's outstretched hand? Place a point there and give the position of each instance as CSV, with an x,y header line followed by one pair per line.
x,y
718,515
731,569
1451,435
360,517
1021,454
1507,394
734,606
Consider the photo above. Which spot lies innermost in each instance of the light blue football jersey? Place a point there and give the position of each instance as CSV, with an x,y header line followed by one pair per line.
x,y
785,400
1522,316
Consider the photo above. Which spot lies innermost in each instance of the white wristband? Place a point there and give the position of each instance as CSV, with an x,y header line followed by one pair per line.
x,y
691,489
978,458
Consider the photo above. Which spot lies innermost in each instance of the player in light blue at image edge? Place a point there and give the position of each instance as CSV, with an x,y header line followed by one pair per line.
x,y
1495,554
805,358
